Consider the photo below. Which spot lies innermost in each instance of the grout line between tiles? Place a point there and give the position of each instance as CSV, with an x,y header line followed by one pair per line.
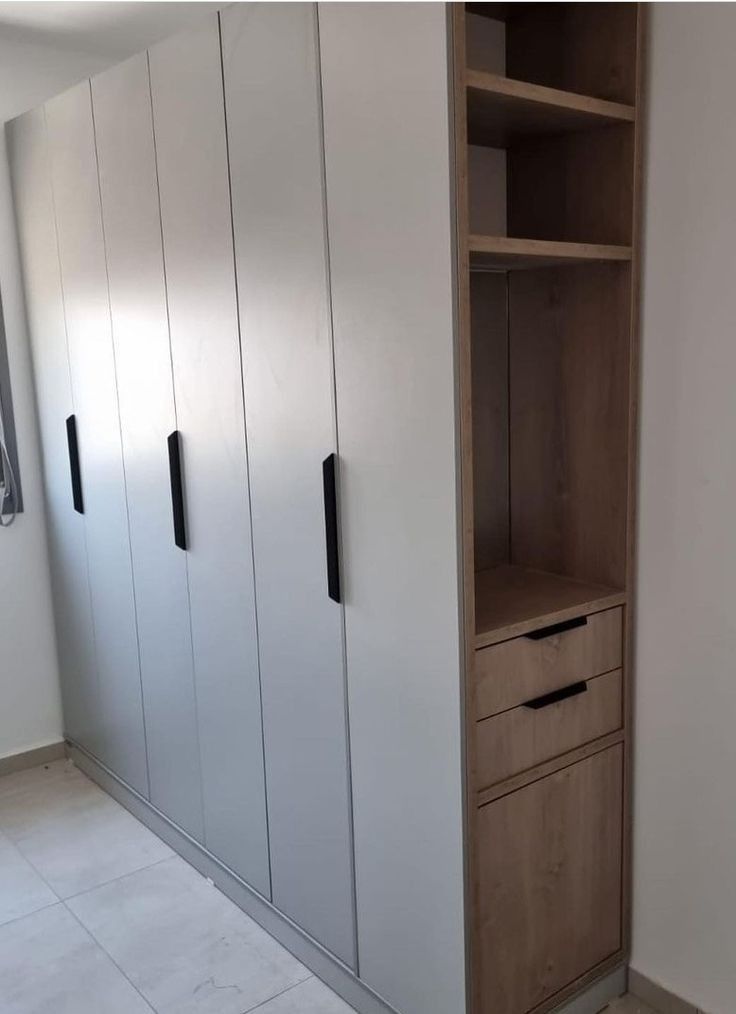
x,y
27,915
85,930
114,880
38,874
258,1006
17,845
104,950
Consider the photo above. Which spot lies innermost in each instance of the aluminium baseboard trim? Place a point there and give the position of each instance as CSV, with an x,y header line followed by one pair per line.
x,y
323,964
658,997
31,758
596,997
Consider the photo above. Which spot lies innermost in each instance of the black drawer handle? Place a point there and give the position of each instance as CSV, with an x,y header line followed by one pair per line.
x,y
329,485
71,440
177,489
557,628
557,695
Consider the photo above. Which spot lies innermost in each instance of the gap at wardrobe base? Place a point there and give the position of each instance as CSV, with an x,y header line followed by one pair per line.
x,y
326,967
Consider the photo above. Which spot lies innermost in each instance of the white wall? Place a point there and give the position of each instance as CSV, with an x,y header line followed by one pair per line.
x,y
685,774
30,712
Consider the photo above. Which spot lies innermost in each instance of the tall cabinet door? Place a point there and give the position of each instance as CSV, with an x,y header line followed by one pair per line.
x,y
34,207
386,125
274,128
92,365
127,170
189,126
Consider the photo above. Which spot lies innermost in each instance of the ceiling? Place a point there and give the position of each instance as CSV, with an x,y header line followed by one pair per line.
x,y
112,29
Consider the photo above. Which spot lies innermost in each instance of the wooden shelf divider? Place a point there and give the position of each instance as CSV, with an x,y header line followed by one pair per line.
x,y
501,109
505,253
511,601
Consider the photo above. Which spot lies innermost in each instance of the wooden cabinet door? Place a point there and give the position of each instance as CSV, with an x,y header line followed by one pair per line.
x,y
549,883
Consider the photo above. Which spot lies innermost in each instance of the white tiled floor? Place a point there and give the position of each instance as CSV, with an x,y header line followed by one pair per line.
x,y
99,916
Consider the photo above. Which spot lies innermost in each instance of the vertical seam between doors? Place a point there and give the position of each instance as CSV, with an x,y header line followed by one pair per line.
x,y
247,456
120,436
329,302
176,422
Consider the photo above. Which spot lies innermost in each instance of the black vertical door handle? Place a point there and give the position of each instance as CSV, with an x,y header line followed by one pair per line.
x,y
177,489
72,444
329,483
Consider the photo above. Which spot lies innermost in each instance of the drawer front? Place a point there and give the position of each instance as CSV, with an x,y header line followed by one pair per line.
x,y
549,883
522,737
515,671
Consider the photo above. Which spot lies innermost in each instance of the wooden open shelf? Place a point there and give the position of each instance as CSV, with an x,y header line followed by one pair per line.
x,y
501,109
504,253
511,601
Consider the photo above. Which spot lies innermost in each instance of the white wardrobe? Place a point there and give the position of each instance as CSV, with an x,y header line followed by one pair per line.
x,y
241,303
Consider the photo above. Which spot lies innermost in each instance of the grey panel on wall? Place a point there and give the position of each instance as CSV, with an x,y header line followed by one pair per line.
x,y
391,253
34,209
121,103
274,128
92,364
189,128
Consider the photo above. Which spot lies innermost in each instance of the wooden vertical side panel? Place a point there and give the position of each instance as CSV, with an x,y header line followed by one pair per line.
x,y
466,423
574,187
490,402
589,48
569,342
633,461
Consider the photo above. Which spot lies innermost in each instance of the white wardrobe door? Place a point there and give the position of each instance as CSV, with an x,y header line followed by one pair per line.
x,y
387,144
274,129
84,281
28,152
189,126
121,103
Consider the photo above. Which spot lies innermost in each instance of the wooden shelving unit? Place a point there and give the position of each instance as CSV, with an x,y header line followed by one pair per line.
x,y
511,601
504,253
502,110
548,156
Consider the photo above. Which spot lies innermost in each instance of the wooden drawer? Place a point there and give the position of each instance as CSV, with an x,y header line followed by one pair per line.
x,y
512,672
522,737
549,883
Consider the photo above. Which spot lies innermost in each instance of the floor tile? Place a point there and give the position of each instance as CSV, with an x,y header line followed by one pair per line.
x,y
186,947
310,997
22,891
50,965
74,834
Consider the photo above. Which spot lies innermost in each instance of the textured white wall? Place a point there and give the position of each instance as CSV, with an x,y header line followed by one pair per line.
x,y
685,774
